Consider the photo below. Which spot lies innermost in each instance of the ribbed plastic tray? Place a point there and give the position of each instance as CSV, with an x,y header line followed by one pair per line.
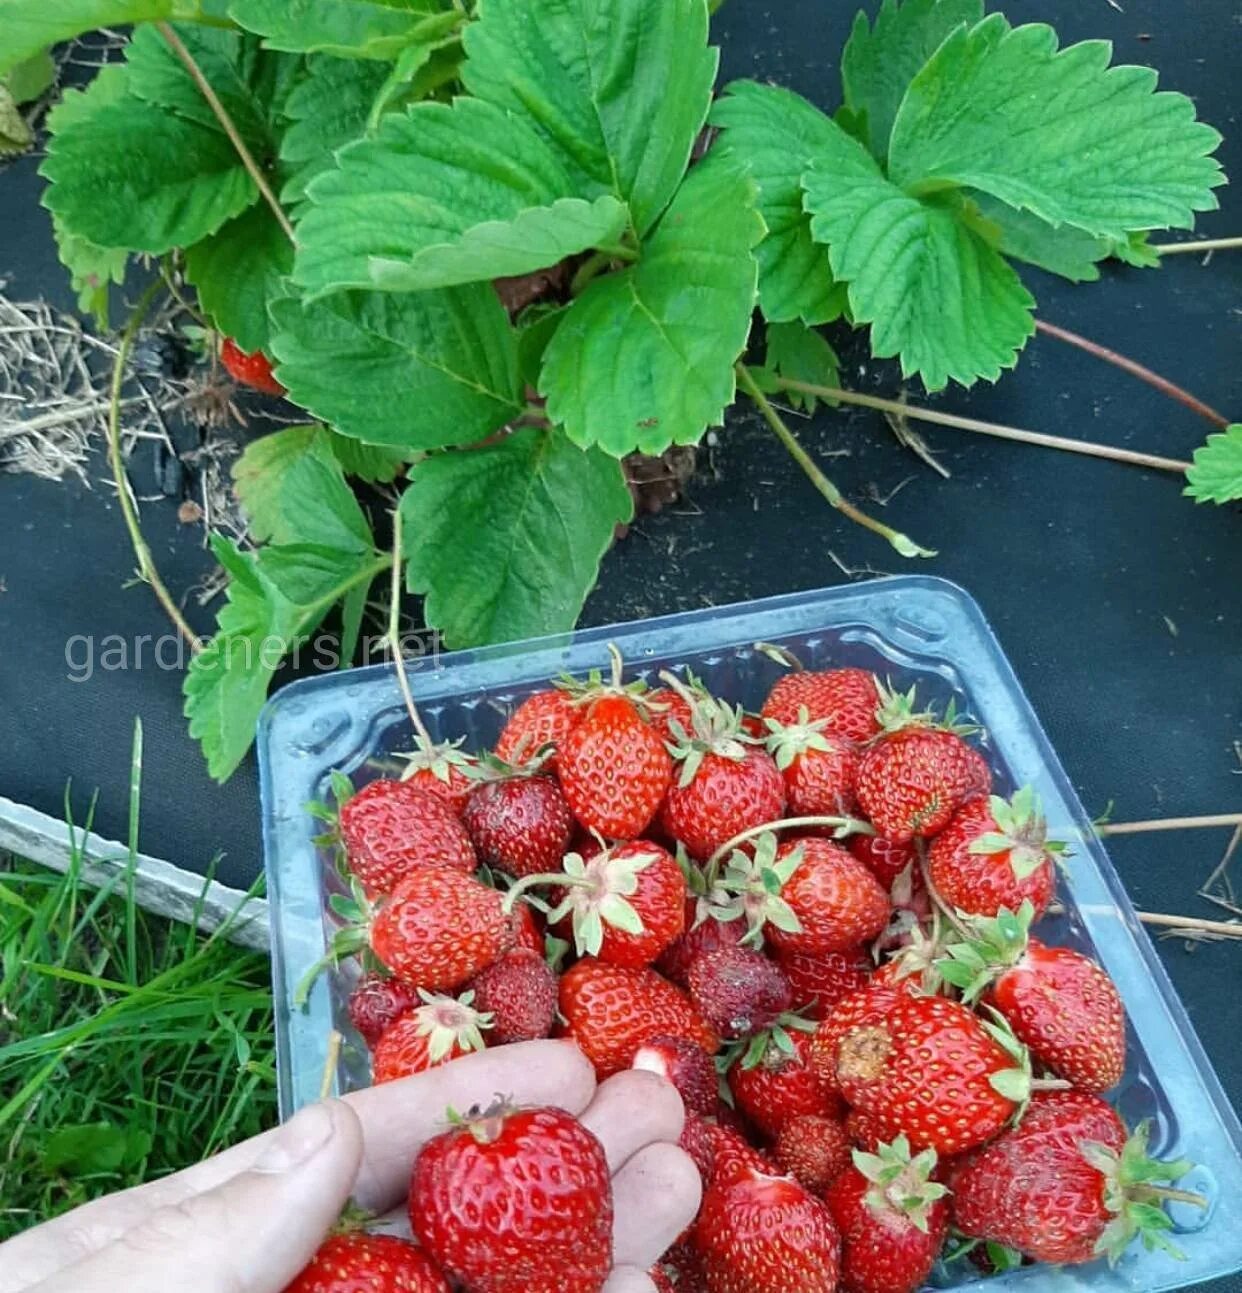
x,y
909,630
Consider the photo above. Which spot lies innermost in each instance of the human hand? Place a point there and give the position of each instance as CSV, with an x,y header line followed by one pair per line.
x,y
248,1220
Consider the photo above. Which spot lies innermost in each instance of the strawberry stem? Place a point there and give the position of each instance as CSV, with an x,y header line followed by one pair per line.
x,y
394,636
845,826
1169,824
1167,1194
1051,1084
548,877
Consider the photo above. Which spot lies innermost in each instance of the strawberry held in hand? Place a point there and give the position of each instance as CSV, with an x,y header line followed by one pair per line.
x,y
1066,1185
844,700
916,773
613,766
996,853
515,1201
893,1218
1060,1004
357,1262
761,1233
439,1030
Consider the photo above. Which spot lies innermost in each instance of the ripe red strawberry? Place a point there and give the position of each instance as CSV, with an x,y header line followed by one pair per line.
x,y
704,933
765,1234
886,858
611,1010
738,991
819,982
774,1081
254,370
820,770
1065,1185
516,1201
520,824
814,1149
995,854
662,1280
687,1066
892,1217
524,932
518,992
1060,1004
439,928
722,785
806,895
441,769
719,1152
845,700
916,773
868,1006
625,904
543,718
614,768
378,1002
439,1030
931,1072
360,1263
683,1268
391,828
669,711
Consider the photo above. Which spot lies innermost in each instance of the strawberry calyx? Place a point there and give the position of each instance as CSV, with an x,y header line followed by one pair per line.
x,y
484,1124
896,711
354,910
786,742
597,893
1022,831
491,767
342,790
772,1046
439,758
899,1182
595,687
996,944
921,957
753,883
450,1022
1133,1193
715,728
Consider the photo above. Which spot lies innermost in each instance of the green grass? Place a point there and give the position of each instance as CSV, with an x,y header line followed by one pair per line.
x,y
130,1045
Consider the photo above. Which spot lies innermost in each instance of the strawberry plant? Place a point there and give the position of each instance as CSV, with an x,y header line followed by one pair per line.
x,y
343,181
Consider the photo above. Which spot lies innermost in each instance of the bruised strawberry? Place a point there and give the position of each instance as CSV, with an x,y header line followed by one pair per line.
x,y
844,700
542,719
686,1065
893,1218
518,993
738,991
438,1030
439,928
868,1006
817,983
761,1233
611,1010
704,933
356,1261
378,1002
253,370
814,1149
391,828
520,824
538,1178
995,853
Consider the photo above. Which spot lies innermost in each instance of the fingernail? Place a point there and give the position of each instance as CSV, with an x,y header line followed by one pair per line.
x,y
298,1140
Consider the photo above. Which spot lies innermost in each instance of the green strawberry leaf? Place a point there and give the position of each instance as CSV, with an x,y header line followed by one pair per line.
x,y
326,110
1215,476
276,598
373,29
801,354
936,293
1055,132
1060,249
644,359
619,88
881,58
446,194
293,490
31,78
415,370
539,514
15,133
238,271
774,134
376,464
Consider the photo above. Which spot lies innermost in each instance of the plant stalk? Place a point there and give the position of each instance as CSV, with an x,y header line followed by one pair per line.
x,y
1135,369
845,826
230,129
905,545
1225,928
394,637
1203,245
1170,824
1001,432
129,513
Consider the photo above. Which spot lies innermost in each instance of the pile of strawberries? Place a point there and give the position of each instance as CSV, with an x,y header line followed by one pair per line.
x,y
814,921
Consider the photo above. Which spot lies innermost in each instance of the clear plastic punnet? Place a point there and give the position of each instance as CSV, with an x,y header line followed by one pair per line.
x,y
910,630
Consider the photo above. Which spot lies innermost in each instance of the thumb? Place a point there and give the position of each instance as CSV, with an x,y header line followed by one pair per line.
x,y
251,1234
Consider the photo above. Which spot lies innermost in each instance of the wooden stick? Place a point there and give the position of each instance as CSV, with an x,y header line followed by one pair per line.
x,y
1223,928
1169,824
1203,245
